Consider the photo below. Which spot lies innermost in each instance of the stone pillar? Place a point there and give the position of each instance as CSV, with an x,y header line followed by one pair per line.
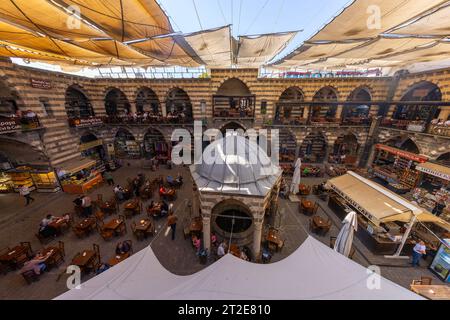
x,y
207,233
164,109
339,110
445,113
306,112
195,201
257,234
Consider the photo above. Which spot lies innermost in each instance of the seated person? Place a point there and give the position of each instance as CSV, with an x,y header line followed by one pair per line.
x,y
222,249
164,208
37,264
123,248
244,256
45,229
179,179
103,267
197,243
266,255
162,191
213,239
170,180
118,191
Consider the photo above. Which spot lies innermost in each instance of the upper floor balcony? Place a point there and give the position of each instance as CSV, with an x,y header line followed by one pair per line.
x,y
19,122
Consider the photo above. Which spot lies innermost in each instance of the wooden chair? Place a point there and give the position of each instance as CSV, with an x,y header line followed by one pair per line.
x,y
326,229
29,251
96,249
99,216
30,276
424,281
79,232
58,258
139,235
312,226
151,231
130,244
106,234
123,228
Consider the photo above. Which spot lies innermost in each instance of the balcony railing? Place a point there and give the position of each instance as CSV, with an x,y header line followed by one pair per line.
x,y
29,121
409,125
145,120
85,122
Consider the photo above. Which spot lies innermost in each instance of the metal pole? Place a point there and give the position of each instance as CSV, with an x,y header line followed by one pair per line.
x,y
405,237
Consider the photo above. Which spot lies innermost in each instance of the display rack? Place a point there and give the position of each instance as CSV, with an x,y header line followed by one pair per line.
x,y
20,179
6,184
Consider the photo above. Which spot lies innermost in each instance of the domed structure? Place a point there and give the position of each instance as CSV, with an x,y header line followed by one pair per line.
x,y
235,165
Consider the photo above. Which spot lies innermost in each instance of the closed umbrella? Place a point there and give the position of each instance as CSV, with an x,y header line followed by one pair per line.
x,y
296,178
344,239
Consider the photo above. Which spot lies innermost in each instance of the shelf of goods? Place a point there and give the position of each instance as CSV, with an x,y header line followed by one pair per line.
x,y
91,177
45,181
20,179
6,185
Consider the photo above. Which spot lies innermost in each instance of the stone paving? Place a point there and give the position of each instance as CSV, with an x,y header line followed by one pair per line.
x,y
20,223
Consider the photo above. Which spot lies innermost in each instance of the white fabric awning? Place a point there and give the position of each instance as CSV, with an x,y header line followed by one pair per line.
x,y
313,271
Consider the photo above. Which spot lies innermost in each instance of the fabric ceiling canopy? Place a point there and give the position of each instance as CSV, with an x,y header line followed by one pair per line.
x,y
437,51
377,203
352,23
254,51
434,24
213,46
313,271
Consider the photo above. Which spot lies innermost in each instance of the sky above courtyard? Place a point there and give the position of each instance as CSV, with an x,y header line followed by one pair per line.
x,y
252,17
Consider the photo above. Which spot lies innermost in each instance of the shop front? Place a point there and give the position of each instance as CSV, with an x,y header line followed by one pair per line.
x,y
387,222
396,168
80,176
35,177
91,147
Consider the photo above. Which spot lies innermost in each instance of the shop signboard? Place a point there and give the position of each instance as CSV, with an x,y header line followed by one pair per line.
x,y
403,154
85,122
435,173
9,125
41,84
90,145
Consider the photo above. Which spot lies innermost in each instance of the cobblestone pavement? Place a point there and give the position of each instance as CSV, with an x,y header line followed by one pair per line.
x,y
19,223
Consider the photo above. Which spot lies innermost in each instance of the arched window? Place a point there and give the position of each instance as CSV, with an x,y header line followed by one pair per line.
x,y
314,148
289,109
357,114
147,101
324,112
116,103
77,104
233,99
178,106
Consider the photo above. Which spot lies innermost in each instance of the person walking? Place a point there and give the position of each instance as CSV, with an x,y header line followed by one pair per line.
x,y
86,203
109,178
418,251
25,192
172,223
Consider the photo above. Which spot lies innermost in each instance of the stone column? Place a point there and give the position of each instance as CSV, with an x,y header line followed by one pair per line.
x,y
164,109
306,112
195,201
207,233
339,110
257,234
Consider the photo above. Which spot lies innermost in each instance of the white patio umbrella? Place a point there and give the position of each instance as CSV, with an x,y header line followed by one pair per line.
x,y
296,178
344,239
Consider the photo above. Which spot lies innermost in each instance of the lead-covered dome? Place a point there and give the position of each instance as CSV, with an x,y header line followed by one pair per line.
x,y
237,165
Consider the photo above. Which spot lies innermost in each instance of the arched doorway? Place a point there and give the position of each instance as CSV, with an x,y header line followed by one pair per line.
x,y
77,104
155,145
403,143
444,159
345,149
324,112
233,99
147,101
232,220
288,146
92,147
178,106
289,109
357,114
421,113
314,148
232,126
8,101
125,145
116,103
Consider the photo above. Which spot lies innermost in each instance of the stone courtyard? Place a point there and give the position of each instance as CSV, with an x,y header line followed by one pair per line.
x,y
20,223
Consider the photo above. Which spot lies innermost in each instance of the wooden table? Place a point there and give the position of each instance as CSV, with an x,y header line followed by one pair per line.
x,y
13,254
307,207
432,292
319,222
273,236
132,205
117,259
113,224
196,225
86,224
303,189
143,227
84,259
108,206
59,224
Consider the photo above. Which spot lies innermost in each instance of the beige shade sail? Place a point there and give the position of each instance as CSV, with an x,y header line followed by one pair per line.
x,y
382,46
434,24
76,165
360,19
434,169
254,51
47,18
437,51
124,20
377,203
213,46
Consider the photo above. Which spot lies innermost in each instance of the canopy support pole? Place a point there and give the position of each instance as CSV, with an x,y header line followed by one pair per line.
x,y
402,244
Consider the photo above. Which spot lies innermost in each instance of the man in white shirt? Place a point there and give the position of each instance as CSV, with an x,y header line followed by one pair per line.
x,y
25,192
86,203
418,251
221,250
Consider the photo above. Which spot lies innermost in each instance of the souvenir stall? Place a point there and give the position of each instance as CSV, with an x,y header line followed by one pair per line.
x,y
155,146
6,185
396,168
433,192
80,176
126,146
384,218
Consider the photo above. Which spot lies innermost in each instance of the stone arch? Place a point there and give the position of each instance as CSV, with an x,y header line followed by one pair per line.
x,y
361,93
178,104
155,144
314,147
346,144
233,87
288,146
233,99
116,102
77,103
10,100
20,152
227,78
404,143
325,111
147,101
232,125
419,91
444,159
289,108
125,144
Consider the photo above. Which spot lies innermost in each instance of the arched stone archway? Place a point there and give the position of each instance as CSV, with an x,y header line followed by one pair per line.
x,y
125,145
357,114
91,146
77,103
234,99
116,103
288,146
178,106
404,143
147,101
444,159
20,153
324,112
314,148
289,109
8,100
155,145
345,149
